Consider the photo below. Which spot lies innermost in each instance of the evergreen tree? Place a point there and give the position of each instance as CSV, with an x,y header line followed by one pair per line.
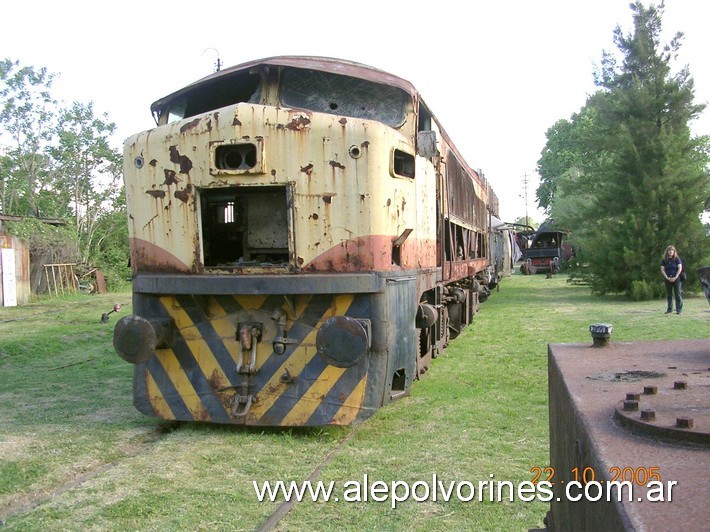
x,y
642,175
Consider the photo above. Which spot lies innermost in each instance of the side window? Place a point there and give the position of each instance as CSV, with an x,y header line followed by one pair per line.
x,y
426,135
403,163
424,123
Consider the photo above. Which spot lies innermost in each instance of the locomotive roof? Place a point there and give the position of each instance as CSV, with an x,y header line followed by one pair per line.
x,y
324,64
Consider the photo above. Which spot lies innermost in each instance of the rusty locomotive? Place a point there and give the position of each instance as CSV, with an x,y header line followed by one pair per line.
x,y
304,239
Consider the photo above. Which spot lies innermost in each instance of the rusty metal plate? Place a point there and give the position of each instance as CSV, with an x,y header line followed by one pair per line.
x,y
601,405
675,407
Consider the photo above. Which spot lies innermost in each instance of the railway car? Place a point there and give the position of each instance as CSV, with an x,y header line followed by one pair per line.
x,y
304,239
549,249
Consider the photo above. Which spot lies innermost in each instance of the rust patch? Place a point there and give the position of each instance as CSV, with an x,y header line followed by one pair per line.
x,y
343,121
184,194
245,336
308,170
389,202
314,216
203,415
158,194
298,123
197,266
236,121
328,197
190,125
170,177
354,260
364,254
336,164
184,161
217,382
153,162
148,257
273,173
300,261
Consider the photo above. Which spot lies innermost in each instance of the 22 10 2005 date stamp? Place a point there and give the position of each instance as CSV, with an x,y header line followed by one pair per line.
x,y
581,483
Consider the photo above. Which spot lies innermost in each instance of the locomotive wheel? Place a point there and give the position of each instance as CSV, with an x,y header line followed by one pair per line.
x,y
423,353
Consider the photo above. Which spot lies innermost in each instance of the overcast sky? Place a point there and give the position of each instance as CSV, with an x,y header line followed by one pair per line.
x,y
496,74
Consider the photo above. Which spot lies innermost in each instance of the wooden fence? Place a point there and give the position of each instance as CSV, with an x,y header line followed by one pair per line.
x,y
61,278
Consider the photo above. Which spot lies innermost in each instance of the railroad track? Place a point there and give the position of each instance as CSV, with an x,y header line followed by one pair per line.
x,y
285,507
31,501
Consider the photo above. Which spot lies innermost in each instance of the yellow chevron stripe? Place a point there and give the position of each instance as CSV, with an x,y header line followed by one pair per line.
x,y
273,389
301,305
347,413
295,363
225,328
156,399
313,397
200,351
182,384
298,360
250,302
342,304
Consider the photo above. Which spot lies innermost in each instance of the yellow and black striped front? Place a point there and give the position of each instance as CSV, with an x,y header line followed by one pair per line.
x,y
202,376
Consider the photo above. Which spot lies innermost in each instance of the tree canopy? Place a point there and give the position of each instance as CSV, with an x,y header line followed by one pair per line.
x,y
625,173
56,161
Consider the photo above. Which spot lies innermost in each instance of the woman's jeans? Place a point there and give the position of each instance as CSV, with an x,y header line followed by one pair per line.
x,y
674,289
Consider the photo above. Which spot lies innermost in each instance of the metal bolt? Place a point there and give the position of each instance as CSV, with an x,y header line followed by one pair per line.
x,y
650,390
601,332
631,405
633,397
648,415
684,422
680,385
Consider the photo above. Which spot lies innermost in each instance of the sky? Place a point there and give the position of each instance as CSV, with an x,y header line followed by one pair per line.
x,y
497,75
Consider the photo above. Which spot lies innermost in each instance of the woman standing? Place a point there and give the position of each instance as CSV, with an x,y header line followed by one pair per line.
x,y
671,268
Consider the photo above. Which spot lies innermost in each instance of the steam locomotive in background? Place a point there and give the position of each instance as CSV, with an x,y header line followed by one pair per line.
x,y
304,239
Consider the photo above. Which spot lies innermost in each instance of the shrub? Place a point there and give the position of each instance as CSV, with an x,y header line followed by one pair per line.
x,y
642,291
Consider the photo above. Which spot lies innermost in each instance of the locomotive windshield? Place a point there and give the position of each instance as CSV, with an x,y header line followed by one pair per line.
x,y
313,90
237,88
324,92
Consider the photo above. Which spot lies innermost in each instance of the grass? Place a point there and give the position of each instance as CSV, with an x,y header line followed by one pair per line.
x,y
74,453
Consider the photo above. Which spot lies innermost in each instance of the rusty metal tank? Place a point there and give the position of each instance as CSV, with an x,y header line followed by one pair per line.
x,y
636,412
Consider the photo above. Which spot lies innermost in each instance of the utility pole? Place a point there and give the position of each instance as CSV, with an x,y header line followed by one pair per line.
x,y
525,189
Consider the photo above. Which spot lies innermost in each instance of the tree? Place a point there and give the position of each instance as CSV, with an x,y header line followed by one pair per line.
x,y
86,169
27,120
60,164
625,174
526,220
110,246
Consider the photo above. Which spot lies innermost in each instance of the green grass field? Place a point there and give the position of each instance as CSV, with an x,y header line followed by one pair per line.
x,y
76,455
